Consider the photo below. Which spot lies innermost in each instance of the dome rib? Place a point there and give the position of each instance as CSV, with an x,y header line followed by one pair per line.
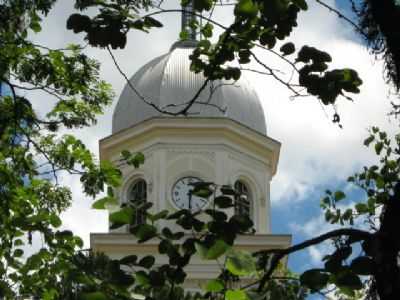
x,y
167,80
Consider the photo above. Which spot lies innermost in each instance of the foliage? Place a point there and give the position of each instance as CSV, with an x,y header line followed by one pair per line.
x,y
358,256
257,25
33,153
32,150
212,238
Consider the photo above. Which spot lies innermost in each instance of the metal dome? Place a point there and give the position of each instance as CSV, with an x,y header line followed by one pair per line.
x,y
168,82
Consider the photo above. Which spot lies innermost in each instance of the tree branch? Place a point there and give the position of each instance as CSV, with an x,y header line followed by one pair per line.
x,y
278,254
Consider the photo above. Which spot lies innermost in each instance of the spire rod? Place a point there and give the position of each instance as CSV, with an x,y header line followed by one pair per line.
x,y
187,18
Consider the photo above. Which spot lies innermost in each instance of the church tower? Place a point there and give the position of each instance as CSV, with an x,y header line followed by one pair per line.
x,y
223,140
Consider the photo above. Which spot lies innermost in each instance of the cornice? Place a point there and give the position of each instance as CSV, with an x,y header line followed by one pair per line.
x,y
220,129
113,239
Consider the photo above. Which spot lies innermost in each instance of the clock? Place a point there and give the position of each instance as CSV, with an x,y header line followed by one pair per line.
x,y
181,198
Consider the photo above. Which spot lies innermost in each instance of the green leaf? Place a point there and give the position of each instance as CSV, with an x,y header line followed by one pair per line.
x,y
369,140
361,208
139,157
55,221
128,260
207,30
314,279
201,5
78,23
147,261
160,215
302,4
287,48
235,295
378,147
50,294
240,263
246,8
151,22
348,279
170,235
205,44
35,26
142,278
351,179
242,222
268,38
228,190
202,192
121,217
339,195
217,249
214,286
201,250
101,203
136,160
35,22
93,296
18,252
126,154
184,35
138,24
362,265
18,242
223,202
145,232
334,261
382,135
78,241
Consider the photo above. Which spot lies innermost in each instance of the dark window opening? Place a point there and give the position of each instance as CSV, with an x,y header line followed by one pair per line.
x,y
242,199
137,197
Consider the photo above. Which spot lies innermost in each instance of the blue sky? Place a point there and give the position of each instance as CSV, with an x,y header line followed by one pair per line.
x,y
4,89
315,153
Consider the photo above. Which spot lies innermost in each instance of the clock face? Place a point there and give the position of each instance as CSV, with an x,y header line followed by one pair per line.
x,y
180,195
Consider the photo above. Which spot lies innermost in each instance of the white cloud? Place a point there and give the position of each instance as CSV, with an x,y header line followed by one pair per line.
x,y
316,254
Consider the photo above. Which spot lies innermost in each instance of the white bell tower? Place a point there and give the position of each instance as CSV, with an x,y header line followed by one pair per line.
x,y
223,140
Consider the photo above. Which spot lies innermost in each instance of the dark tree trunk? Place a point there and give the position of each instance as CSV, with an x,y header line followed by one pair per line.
x,y
387,247
386,14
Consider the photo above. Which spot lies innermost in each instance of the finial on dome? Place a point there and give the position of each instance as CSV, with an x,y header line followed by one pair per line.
x,y
187,18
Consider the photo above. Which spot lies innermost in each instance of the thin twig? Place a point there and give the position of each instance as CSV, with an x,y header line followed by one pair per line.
x,y
160,11
288,85
183,111
342,16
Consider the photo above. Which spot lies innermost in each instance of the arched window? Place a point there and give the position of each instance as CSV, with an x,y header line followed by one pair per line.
x,y
137,196
243,201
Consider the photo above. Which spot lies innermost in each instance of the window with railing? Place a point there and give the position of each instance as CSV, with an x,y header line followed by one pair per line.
x,y
137,197
243,201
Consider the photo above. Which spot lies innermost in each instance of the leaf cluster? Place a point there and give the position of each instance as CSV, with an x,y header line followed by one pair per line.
x,y
210,239
344,268
110,26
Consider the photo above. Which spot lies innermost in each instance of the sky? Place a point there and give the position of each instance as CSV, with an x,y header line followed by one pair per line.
x,y
315,155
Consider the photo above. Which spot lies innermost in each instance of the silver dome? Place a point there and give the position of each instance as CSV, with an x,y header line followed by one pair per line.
x,y
168,82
